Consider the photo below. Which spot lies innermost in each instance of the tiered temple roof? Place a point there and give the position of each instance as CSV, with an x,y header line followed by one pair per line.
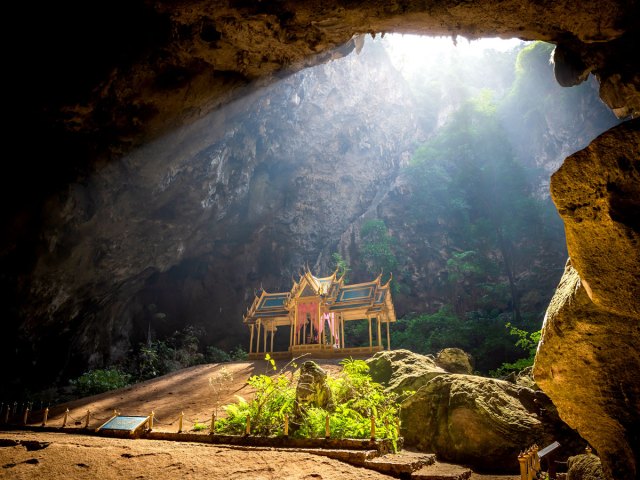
x,y
357,301
315,311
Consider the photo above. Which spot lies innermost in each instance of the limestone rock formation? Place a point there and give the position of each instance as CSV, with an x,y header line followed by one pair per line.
x,y
477,421
312,389
584,467
402,370
524,378
597,192
589,364
455,360
108,77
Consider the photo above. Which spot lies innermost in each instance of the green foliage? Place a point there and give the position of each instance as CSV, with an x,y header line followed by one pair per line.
x,y
98,381
376,249
216,355
527,341
239,353
355,396
198,427
341,265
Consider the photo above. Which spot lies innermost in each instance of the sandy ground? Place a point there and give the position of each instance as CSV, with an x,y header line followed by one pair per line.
x,y
76,457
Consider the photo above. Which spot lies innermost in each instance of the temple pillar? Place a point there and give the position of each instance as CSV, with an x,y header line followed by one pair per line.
x,y
251,340
370,334
258,337
379,331
273,333
265,338
388,336
290,332
342,330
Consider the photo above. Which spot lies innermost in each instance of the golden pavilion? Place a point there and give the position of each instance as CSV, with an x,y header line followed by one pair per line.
x,y
315,312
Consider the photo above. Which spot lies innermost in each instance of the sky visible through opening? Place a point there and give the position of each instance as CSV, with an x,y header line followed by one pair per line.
x,y
410,53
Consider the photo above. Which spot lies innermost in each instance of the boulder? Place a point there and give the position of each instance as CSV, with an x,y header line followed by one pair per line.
x,y
588,363
402,370
584,467
312,389
481,422
597,192
524,378
455,360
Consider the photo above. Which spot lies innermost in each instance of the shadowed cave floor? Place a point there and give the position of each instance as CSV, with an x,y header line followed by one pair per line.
x,y
73,456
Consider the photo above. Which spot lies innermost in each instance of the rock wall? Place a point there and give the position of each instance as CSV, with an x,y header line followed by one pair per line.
x,y
100,85
588,360
191,224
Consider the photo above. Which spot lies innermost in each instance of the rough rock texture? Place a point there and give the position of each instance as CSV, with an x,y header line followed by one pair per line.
x,y
592,327
524,378
584,467
481,422
455,360
312,389
597,192
402,370
127,71
108,76
192,223
589,364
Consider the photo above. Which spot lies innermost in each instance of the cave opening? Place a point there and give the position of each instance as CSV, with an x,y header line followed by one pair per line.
x,y
424,157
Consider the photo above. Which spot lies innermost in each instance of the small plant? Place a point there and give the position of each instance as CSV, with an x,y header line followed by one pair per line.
x,y
198,427
238,353
219,384
356,397
98,381
216,355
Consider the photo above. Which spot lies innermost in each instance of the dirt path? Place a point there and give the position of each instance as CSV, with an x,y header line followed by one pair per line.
x,y
187,391
76,457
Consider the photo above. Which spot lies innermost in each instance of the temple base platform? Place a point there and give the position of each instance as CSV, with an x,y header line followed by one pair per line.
x,y
319,351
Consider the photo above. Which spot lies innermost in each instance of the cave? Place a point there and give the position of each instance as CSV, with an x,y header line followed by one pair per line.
x,y
95,84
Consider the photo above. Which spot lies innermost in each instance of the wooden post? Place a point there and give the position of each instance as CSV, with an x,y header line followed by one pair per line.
x,y
264,336
258,338
290,332
379,331
342,327
64,419
273,332
251,340
182,417
26,415
523,466
286,425
44,418
86,422
247,429
327,431
212,429
527,458
370,335
373,428
151,420
388,337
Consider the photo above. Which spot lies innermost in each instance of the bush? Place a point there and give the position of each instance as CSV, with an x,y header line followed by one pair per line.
x,y
239,353
355,395
216,355
98,381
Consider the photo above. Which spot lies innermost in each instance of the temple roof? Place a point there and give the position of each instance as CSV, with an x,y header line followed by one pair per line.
x,y
353,301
